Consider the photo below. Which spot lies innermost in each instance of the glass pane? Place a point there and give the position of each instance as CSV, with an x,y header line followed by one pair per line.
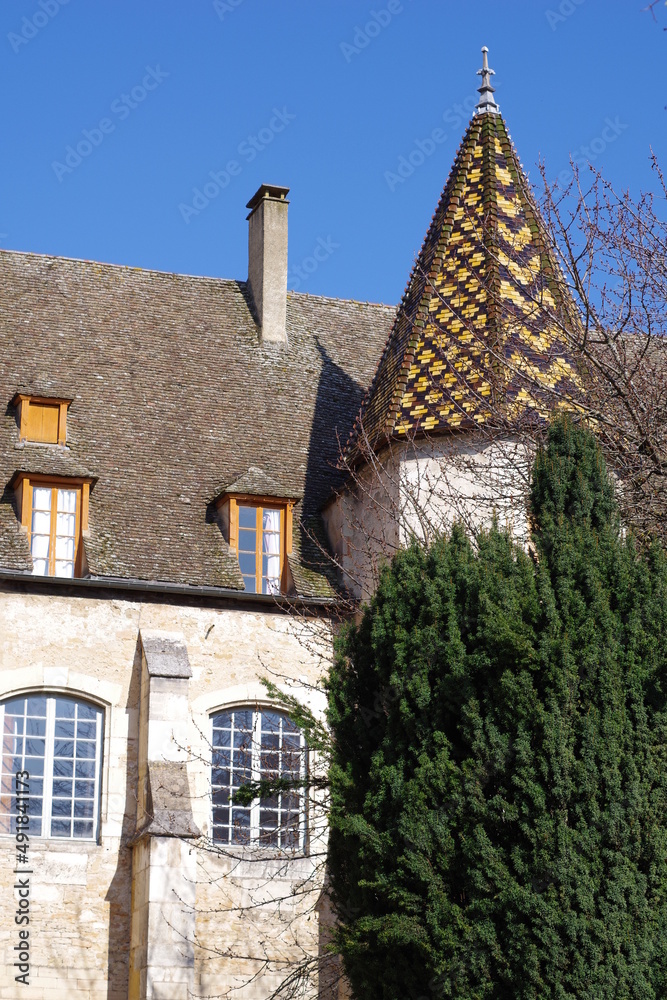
x,y
16,706
40,567
243,738
83,828
65,523
35,727
64,547
65,569
35,765
65,708
67,501
41,498
41,522
271,520
270,722
250,584
247,517
247,563
243,719
61,807
247,540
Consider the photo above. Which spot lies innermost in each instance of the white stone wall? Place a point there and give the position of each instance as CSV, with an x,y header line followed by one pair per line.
x,y
363,523
462,479
419,490
80,890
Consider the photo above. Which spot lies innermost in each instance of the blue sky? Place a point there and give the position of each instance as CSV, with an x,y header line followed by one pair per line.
x,y
115,112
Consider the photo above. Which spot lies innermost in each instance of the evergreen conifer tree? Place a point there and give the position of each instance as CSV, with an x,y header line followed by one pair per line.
x,y
499,768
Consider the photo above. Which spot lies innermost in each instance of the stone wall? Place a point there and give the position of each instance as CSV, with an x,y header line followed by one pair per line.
x,y
81,891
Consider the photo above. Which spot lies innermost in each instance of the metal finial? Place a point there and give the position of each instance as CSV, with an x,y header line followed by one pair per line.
x,y
486,91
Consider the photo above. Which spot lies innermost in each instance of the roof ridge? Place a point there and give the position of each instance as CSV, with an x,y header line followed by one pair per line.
x,y
180,274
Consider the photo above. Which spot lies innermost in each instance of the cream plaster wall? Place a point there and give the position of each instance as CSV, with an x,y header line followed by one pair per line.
x,y
419,489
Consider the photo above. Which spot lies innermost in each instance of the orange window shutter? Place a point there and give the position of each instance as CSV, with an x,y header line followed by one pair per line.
x,y
43,423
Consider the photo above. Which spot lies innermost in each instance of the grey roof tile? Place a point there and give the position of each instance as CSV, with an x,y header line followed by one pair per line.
x,y
173,395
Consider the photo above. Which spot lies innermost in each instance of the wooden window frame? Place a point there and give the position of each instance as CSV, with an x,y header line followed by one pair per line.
x,y
229,507
22,402
25,482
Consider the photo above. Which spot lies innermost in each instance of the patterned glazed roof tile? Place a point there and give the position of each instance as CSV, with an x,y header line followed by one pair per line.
x,y
472,335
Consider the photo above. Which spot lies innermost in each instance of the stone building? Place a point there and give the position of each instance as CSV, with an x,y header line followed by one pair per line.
x,y
194,470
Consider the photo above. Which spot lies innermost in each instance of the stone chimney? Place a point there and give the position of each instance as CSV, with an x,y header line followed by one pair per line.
x,y
267,260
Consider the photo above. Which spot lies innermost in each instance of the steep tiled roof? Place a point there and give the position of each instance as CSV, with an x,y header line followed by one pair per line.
x,y
175,399
473,332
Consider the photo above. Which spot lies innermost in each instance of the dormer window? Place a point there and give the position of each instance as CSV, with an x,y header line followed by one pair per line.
x,y
260,548
54,514
258,527
42,419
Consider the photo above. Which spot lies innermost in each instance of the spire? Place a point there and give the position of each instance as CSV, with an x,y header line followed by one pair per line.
x,y
478,333
486,101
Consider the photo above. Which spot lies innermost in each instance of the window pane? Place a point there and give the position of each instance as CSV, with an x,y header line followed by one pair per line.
x,y
250,584
64,544
67,501
65,708
64,569
41,498
41,523
243,719
247,517
247,563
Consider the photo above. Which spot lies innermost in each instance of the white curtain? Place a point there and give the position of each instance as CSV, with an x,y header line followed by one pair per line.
x,y
65,532
40,530
271,550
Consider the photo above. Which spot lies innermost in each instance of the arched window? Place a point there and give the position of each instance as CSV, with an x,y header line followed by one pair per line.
x,y
253,745
57,742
